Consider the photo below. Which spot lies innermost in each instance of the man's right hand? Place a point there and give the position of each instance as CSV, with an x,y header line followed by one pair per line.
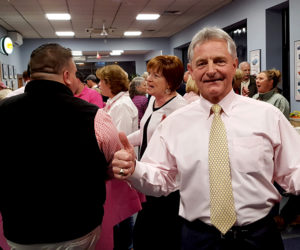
x,y
123,163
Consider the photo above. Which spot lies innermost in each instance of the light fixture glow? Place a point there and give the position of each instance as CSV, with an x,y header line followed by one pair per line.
x,y
98,56
132,33
58,16
77,53
116,52
147,16
64,33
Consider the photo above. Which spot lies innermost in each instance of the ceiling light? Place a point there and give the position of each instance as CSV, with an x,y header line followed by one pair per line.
x,y
64,33
77,53
147,16
132,33
116,52
103,32
56,16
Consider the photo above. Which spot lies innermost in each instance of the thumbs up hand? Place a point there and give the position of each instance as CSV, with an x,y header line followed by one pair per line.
x,y
123,163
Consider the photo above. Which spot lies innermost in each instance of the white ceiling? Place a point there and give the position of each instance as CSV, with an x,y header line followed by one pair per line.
x,y
28,16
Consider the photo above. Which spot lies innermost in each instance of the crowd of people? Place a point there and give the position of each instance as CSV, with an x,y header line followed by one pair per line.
x,y
109,163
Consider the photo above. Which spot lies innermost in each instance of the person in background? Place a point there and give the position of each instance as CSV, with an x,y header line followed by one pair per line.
x,y
158,225
266,82
114,84
26,79
66,145
182,87
259,146
122,201
248,85
92,82
145,75
85,93
137,93
237,80
4,91
192,91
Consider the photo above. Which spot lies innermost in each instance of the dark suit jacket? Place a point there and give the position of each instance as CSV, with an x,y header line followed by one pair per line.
x,y
252,86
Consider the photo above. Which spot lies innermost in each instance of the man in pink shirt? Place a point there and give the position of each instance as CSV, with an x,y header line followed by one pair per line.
x,y
262,146
85,93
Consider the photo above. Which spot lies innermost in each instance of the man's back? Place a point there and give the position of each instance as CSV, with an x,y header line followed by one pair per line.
x,y
52,190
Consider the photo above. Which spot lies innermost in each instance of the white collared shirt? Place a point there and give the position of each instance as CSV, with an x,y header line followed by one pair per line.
x,y
123,112
263,147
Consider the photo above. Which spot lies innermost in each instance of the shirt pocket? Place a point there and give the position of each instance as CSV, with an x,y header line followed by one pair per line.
x,y
247,154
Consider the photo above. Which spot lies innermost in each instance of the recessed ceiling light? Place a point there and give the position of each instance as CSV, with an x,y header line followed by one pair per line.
x,y
132,33
147,16
57,16
64,33
116,52
76,52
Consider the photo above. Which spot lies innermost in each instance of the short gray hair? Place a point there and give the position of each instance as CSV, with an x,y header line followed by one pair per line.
x,y
135,82
208,34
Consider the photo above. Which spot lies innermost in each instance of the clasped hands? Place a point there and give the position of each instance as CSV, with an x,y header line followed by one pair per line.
x,y
123,163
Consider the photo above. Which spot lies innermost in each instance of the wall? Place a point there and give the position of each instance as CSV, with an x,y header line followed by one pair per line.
x,y
13,59
153,44
294,36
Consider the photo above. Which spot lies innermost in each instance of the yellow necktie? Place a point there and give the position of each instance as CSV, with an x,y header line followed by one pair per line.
x,y
222,211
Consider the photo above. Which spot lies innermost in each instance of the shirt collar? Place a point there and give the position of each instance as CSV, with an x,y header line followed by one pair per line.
x,y
116,97
226,103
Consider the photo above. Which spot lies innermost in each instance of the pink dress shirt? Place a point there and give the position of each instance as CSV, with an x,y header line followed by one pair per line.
x,y
263,148
91,96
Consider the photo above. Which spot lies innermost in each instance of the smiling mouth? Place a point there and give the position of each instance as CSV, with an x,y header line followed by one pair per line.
x,y
213,80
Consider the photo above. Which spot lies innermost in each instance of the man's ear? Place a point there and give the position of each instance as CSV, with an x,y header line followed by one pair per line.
x,y
190,69
66,78
235,63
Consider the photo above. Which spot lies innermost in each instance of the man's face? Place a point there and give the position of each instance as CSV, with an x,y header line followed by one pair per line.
x,y
213,68
245,67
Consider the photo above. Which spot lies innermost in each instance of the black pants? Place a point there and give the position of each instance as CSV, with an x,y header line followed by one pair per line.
x,y
123,234
260,235
158,225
